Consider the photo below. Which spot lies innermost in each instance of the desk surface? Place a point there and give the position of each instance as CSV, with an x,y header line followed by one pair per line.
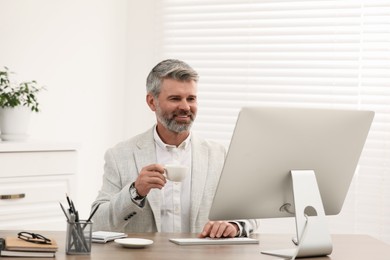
x,y
345,247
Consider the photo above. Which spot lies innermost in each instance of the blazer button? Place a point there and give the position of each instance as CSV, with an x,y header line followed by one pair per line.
x,y
130,215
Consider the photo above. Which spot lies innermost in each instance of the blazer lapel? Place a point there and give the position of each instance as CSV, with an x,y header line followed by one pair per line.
x,y
200,162
146,155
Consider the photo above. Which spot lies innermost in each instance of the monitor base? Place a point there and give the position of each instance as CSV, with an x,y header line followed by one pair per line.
x,y
285,253
312,234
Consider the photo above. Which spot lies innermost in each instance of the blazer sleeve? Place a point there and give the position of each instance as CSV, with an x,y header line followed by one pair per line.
x,y
114,200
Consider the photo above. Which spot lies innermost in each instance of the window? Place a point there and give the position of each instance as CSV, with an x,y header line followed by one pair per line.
x,y
331,54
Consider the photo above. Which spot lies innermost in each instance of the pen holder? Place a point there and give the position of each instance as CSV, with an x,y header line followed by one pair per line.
x,y
78,237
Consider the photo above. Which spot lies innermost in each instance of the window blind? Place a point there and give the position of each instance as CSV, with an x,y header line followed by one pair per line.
x,y
326,54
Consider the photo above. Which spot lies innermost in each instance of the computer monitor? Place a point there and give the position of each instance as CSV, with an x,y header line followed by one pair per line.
x,y
269,143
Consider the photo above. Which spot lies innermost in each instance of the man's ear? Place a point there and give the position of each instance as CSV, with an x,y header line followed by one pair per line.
x,y
151,101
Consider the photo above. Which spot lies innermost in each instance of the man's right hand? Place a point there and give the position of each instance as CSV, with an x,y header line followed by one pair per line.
x,y
150,177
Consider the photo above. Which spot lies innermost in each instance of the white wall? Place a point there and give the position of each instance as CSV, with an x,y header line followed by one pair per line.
x,y
78,50
141,58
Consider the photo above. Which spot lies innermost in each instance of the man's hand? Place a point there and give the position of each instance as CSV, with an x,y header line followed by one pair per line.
x,y
150,177
218,229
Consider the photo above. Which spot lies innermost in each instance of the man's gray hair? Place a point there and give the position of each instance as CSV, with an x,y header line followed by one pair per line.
x,y
169,69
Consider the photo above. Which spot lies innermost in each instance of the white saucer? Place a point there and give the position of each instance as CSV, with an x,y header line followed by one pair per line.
x,y
134,242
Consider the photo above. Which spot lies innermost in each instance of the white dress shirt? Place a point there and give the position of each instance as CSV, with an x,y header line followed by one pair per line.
x,y
176,196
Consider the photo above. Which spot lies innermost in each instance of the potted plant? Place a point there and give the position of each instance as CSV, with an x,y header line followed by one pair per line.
x,y
17,102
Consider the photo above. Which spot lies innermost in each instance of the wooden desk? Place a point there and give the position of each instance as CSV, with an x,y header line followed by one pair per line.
x,y
346,247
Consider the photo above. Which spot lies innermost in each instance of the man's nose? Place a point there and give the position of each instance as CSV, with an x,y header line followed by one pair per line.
x,y
184,105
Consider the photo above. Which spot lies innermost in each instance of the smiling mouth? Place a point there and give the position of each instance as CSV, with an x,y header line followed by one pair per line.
x,y
182,118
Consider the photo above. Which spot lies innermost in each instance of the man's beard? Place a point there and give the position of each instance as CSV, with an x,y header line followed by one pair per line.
x,y
169,122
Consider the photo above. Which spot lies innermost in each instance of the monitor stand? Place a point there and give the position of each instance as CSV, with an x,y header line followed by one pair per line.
x,y
313,238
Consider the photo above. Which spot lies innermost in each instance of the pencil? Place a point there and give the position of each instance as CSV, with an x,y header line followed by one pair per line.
x,y
63,209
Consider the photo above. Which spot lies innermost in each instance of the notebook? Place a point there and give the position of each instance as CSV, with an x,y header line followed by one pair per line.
x,y
214,241
17,244
26,253
106,236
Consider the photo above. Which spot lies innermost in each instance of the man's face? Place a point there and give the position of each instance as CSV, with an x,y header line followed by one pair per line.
x,y
176,106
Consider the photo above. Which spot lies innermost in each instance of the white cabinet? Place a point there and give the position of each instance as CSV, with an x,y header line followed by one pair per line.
x,y
34,178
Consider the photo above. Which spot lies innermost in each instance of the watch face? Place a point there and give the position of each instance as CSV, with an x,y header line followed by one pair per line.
x,y
134,194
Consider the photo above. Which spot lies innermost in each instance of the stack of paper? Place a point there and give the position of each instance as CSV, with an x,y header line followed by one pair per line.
x,y
106,236
17,247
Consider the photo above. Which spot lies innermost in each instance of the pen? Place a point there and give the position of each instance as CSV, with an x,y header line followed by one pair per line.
x,y
67,198
72,208
90,216
93,213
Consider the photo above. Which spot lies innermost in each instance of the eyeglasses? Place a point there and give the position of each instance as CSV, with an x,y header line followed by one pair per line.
x,y
34,238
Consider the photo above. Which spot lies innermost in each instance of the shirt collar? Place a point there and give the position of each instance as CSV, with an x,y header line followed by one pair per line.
x,y
165,146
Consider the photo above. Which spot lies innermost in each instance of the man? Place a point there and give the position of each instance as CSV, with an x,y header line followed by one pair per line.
x,y
135,196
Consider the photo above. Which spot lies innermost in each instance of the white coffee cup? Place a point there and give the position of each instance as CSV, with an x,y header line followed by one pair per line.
x,y
175,172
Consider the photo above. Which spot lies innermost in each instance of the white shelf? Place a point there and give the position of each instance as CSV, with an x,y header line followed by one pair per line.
x,y
26,146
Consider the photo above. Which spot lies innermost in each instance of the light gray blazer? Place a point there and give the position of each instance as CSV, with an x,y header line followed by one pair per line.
x,y
123,163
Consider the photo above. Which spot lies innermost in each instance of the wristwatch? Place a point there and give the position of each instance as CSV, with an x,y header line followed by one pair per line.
x,y
134,194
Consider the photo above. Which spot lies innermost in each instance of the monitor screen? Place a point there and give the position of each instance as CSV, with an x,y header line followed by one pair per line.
x,y
269,142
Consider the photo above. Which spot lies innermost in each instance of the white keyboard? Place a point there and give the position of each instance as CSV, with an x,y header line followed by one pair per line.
x,y
214,241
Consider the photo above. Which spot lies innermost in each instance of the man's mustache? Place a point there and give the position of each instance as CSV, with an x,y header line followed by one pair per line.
x,y
183,113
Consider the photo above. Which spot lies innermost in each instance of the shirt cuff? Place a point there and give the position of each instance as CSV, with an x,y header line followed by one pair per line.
x,y
244,228
240,227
